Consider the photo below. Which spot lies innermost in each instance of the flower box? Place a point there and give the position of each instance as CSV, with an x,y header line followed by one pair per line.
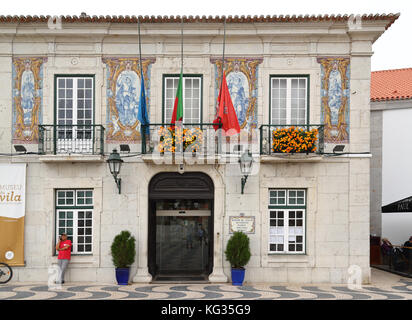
x,y
294,140
171,137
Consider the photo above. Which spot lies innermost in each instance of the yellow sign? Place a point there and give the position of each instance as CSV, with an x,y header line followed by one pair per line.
x,y
12,212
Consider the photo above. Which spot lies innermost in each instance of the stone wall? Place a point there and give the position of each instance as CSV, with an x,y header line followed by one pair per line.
x,y
337,221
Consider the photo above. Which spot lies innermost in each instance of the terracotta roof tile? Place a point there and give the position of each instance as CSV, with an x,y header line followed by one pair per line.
x,y
391,85
84,18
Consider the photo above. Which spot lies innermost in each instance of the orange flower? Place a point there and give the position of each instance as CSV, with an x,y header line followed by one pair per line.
x,y
174,136
292,140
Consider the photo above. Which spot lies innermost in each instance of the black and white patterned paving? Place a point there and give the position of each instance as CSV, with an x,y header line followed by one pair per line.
x,y
398,289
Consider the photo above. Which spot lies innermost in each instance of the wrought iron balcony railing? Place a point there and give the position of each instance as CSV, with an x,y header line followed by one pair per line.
x,y
291,138
199,138
71,139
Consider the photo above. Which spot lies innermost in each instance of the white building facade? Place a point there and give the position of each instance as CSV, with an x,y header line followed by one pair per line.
x,y
391,213
70,95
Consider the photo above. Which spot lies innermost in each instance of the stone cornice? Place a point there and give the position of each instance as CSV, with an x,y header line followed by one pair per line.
x,y
84,18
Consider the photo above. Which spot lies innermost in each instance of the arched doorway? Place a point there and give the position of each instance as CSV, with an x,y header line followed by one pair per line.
x,y
180,237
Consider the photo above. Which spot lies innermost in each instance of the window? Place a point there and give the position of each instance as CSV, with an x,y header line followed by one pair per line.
x,y
288,100
287,210
74,216
74,100
192,89
74,112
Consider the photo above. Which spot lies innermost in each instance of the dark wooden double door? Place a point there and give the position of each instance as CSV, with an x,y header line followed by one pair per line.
x,y
180,226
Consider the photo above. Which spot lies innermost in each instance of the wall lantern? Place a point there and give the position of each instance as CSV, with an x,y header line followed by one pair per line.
x,y
245,162
115,163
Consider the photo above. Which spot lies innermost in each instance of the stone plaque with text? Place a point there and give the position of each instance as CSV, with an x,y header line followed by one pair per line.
x,y
242,223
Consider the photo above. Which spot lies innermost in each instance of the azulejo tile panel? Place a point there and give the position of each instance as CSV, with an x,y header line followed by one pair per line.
x,y
27,96
242,81
123,91
335,98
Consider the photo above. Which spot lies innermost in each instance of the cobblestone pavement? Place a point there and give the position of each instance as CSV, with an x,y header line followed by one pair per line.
x,y
384,286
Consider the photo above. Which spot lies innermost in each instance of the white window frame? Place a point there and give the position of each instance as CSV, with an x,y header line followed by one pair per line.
x,y
167,109
288,120
84,144
286,209
75,209
74,98
60,198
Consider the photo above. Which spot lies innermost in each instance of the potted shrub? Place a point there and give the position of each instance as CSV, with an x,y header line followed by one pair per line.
x,y
238,254
123,254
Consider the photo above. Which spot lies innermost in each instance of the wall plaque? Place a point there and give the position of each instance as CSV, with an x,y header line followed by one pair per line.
x,y
242,223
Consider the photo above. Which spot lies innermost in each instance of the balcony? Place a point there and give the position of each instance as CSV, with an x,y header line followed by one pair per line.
x,y
71,142
275,142
190,139
292,141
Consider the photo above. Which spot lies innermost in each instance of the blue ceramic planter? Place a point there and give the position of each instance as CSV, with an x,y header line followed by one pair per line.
x,y
122,276
238,275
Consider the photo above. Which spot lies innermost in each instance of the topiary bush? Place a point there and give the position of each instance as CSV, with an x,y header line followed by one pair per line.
x,y
123,250
238,250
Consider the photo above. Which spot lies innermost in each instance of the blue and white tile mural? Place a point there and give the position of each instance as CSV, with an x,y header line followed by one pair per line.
x,y
242,80
27,98
127,96
123,90
335,97
239,92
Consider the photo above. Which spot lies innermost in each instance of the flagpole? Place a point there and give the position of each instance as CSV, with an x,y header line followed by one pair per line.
x,y
143,132
224,43
181,63
179,146
140,50
221,82
181,58
226,116
177,114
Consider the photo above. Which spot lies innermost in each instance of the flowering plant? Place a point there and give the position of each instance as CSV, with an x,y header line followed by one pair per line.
x,y
171,137
294,140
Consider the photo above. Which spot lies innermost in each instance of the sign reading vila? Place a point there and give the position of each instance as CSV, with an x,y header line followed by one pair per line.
x,y
242,223
12,212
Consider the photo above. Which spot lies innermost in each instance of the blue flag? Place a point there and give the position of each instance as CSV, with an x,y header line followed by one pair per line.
x,y
142,115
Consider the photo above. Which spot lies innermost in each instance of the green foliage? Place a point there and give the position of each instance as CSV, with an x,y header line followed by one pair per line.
x,y
238,250
123,250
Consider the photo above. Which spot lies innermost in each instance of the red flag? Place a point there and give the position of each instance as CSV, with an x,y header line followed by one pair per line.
x,y
226,112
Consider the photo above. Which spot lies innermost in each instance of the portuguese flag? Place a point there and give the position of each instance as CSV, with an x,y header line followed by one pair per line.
x,y
178,107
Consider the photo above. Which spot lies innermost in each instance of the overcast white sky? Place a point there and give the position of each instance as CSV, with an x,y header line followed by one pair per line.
x,y
392,50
